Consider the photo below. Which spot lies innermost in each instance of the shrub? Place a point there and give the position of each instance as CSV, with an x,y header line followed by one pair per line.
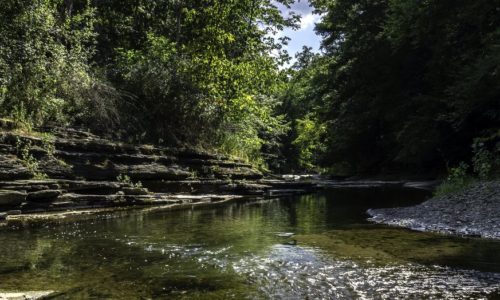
x,y
457,180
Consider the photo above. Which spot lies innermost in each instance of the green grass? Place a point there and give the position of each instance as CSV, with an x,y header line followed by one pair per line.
x,y
454,186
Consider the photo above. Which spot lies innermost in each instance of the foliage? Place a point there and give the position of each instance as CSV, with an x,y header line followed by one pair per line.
x,y
125,179
409,84
44,57
309,140
48,143
189,73
213,76
485,166
486,162
401,86
457,180
23,149
304,145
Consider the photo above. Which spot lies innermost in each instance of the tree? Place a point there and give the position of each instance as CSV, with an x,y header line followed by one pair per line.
x,y
409,84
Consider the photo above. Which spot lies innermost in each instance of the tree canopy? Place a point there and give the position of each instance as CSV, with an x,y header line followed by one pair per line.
x,y
403,86
400,85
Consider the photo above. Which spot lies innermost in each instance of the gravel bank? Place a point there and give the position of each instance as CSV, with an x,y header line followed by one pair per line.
x,y
472,212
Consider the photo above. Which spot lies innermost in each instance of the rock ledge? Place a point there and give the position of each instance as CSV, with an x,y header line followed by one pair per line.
x,y
87,172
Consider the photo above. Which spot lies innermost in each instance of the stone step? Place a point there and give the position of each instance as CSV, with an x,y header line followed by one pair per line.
x,y
206,186
97,158
11,168
80,186
281,184
195,186
284,192
10,199
30,185
213,162
43,196
153,171
83,171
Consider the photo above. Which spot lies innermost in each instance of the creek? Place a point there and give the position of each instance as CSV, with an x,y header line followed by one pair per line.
x,y
315,246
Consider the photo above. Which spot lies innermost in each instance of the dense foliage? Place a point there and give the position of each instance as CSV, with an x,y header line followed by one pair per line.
x,y
168,71
403,86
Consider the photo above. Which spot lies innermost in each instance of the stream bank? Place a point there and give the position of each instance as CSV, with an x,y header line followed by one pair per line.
x,y
474,211
71,170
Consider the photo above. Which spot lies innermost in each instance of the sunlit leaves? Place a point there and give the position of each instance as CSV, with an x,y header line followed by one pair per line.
x,y
45,59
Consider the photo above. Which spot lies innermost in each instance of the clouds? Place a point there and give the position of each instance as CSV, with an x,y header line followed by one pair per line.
x,y
307,18
305,35
302,7
308,21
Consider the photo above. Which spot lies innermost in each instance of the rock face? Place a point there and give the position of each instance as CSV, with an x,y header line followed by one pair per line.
x,y
11,167
82,171
472,212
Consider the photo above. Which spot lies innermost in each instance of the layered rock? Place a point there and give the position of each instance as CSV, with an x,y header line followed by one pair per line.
x,y
81,171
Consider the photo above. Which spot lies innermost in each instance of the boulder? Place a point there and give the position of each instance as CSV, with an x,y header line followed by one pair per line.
x,y
43,196
12,198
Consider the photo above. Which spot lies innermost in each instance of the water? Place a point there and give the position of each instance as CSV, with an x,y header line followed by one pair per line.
x,y
245,251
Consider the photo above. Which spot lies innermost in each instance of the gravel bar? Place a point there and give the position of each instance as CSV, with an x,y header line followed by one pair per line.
x,y
474,211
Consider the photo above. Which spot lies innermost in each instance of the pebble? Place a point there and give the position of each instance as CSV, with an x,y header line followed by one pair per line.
x,y
472,212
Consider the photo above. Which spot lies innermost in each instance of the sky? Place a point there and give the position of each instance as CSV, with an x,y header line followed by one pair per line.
x,y
305,36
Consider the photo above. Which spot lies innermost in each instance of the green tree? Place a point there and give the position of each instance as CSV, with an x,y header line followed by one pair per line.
x,y
213,76
44,62
409,84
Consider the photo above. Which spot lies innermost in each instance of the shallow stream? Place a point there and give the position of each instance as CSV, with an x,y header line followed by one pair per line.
x,y
246,250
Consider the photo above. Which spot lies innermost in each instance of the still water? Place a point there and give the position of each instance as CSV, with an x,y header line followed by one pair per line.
x,y
246,251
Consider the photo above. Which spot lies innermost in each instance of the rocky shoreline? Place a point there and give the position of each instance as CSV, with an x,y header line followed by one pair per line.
x,y
474,212
82,172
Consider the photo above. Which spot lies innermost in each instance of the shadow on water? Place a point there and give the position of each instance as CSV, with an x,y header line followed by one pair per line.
x,y
240,251
341,226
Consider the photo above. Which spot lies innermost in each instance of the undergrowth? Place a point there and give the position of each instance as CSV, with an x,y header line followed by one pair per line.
x,y
485,164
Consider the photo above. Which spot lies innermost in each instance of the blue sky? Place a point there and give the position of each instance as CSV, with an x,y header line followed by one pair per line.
x,y
305,35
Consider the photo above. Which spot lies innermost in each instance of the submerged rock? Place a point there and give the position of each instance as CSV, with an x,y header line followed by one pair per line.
x,y
32,295
285,234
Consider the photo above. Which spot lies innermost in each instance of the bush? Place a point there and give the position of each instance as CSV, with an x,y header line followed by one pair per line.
x,y
457,180
45,69
484,161
310,137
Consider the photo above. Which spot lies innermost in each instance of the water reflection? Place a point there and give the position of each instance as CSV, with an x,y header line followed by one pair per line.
x,y
235,252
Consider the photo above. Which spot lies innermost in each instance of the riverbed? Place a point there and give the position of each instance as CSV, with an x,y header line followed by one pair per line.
x,y
316,246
